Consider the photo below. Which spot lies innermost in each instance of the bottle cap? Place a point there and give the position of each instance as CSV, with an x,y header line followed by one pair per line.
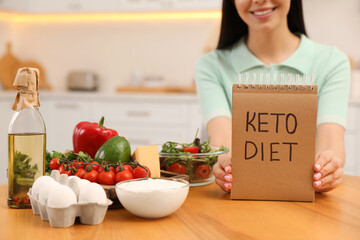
x,y
27,84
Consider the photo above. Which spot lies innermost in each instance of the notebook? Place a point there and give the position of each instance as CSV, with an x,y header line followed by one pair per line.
x,y
273,141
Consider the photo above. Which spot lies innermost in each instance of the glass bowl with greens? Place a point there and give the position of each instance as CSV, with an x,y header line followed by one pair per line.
x,y
195,160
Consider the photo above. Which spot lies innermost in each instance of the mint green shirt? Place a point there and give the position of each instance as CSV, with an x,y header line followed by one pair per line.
x,y
217,71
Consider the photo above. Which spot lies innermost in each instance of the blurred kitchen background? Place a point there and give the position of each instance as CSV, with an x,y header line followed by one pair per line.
x,y
134,61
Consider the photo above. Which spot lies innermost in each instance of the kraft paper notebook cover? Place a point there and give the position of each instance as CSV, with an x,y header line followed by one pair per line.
x,y
273,142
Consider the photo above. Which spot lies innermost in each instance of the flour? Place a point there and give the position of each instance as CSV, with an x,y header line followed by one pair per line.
x,y
152,198
152,185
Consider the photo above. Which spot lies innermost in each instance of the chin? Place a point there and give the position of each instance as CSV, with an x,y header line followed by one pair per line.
x,y
265,28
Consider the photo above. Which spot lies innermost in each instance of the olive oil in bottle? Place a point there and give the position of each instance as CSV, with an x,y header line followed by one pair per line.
x,y
27,139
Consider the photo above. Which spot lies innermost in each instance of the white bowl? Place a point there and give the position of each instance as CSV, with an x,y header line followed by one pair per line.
x,y
152,198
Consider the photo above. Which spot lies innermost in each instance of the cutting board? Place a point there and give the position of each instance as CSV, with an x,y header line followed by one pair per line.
x,y
9,65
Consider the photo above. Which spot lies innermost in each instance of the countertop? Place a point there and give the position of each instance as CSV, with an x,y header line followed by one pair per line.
x,y
111,96
208,213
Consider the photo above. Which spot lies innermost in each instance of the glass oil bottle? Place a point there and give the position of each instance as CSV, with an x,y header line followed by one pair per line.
x,y
26,138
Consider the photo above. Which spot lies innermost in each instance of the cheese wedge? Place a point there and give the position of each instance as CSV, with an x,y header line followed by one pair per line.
x,y
149,157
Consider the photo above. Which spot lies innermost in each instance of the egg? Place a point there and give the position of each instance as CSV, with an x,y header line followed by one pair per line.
x,y
74,185
37,185
75,177
83,183
92,193
64,179
77,183
46,189
55,174
61,196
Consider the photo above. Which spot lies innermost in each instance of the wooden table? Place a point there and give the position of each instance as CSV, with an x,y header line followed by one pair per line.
x,y
209,214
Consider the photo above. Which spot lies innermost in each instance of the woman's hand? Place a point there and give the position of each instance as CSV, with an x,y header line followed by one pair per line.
x,y
222,172
219,130
328,172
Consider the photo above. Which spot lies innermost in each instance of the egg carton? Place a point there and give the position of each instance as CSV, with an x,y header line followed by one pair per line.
x,y
89,213
61,217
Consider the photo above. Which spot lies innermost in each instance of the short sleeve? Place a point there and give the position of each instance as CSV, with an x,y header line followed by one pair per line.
x,y
211,92
334,94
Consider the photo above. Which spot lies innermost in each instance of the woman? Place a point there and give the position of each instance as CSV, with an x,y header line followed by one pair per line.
x,y
268,36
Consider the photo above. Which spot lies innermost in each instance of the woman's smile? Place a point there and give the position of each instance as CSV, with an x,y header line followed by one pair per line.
x,y
263,16
263,13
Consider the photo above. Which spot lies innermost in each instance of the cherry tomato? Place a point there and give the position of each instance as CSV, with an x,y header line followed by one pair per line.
x,y
194,149
107,178
62,170
112,169
93,167
202,171
100,169
123,175
177,167
128,167
139,172
125,167
54,164
80,173
78,164
92,176
26,200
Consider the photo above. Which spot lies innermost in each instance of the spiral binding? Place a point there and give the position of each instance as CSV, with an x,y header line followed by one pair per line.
x,y
300,81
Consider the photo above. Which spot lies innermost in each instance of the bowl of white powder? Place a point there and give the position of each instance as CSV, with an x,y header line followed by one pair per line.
x,y
152,198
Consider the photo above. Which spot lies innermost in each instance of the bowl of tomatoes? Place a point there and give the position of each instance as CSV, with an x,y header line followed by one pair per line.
x,y
195,159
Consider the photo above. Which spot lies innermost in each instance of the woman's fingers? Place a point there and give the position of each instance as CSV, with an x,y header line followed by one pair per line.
x,y
328,172
329,186
325,164
218,171
330,181
221,171
226,186
329,168
225,161
222,166
322,160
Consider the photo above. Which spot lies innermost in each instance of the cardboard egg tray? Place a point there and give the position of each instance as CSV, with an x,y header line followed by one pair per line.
x,y
89,213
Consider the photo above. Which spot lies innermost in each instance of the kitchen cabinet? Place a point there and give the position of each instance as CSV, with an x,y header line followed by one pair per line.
x,y
144,119
60,116
65,6
141,118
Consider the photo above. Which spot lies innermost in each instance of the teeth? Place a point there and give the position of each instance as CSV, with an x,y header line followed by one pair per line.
x,y
263,12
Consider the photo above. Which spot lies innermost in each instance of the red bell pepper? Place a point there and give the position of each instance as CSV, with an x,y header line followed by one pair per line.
x,y
88,137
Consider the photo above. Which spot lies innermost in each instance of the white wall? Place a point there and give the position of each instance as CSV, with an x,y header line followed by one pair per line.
x,y
336,23
114,49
